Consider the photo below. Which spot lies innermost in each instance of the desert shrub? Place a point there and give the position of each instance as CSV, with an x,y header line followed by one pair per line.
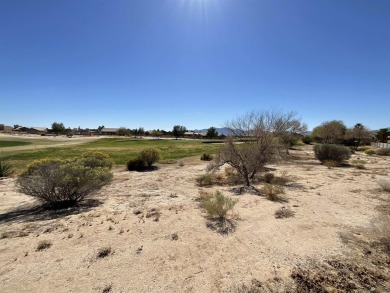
x,y
135,165
150,156
206,157
268,177
232,176
284,212
204,180
307,139
95,159
364,148
369,152
104,252
383,152
385,184
331,152
217,205
273,192
44,244
5,169
62,183
282,179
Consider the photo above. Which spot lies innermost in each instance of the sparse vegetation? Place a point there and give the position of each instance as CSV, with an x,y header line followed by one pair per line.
x,y
273,192
150,156
268,177
331,152
5,169
284,212
217,205
135,165
206,157
204,180
369,152
44,244
104,252
94,159
62,183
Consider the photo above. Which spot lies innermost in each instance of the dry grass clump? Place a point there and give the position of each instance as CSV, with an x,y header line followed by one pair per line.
x,y
44,244
284,212
385,184
217,205
204,180
104,252
273,192
5,169
369,152
207,157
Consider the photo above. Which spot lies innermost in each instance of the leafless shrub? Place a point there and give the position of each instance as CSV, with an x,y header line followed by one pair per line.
x,y
44,244
263,139
284,212
104,252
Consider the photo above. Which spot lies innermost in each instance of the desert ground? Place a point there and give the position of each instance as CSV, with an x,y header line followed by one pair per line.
x,y
145,232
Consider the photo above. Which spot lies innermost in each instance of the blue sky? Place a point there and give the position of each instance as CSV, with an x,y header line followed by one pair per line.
x,y
198,63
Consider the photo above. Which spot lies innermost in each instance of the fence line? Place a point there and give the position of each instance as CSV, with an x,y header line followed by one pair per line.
x,y
380,145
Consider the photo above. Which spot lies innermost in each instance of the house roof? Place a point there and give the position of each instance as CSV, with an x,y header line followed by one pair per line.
x,y
110,130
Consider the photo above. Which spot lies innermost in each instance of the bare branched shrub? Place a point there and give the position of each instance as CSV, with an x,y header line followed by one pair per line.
x,y
255,140
385,184
273,192
62,183
284,212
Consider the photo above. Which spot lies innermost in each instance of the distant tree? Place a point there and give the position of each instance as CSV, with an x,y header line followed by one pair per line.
x,y
16,126
141,131
58,128
100,129
122,131
358,134
68,132
260,134
382,135
178,131
155,133
330,132
212,133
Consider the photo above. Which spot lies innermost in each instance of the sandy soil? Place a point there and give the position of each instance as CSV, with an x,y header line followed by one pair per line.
x,y
158,236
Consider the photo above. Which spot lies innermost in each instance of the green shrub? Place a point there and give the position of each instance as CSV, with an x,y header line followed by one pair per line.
x,y
369,152
136,165
95,159
5,169
383,152
331,152
204,180
217,205
150,156
307,139
62,183
206,157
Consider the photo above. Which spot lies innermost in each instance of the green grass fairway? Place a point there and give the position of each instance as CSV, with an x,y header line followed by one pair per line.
x,y
120,149
13,143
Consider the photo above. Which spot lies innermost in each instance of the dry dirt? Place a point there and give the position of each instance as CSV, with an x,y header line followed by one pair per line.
x,y
146,233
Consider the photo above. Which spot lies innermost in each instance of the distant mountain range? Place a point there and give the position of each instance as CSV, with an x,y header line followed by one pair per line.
x,y
223,130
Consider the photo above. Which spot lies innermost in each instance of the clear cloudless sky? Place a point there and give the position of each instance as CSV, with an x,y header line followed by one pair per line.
x,y
197,63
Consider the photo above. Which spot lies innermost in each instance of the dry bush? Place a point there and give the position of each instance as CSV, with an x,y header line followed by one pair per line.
x,y
385,184
62,183
150,156
5,169
206,157
369,152
269,177
104,252
44,244
94,159
331,152
232,176
273,192
217,205
284,212
330,164
282,179
204,180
